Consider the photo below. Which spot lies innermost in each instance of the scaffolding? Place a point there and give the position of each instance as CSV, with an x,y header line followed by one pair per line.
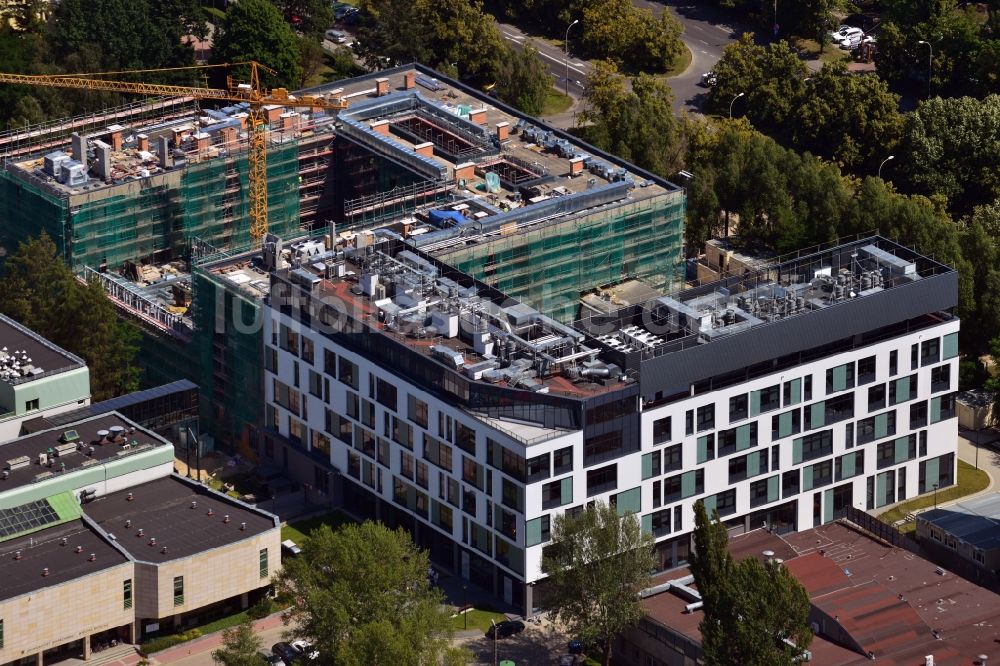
x,y
552,265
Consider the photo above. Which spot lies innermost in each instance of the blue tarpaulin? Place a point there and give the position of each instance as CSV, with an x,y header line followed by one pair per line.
x,y
441,217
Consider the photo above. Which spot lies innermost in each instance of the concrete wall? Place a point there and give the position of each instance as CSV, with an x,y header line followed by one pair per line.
x,y
56,394
53,616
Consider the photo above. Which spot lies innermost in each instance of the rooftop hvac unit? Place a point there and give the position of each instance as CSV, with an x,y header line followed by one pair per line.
x,y
54,161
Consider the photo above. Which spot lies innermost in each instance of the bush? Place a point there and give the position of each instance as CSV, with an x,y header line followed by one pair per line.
x,y
261,609
164,642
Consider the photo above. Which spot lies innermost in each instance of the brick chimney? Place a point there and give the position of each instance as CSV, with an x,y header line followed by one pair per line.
x,y
204,140
273,112
478,116
381,87
228,136
381,126
576,166
503,131
426,149
115,137
465,171
143,141
410,80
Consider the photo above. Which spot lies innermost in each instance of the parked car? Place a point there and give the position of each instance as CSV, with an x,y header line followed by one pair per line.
x,y
575,646
271,658
285,652
306,650
851,41
342,10
846,32
336,36
505,629
708,79
290,548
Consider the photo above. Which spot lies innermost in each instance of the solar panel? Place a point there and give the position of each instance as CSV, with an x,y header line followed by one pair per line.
x,y
26,517
70,436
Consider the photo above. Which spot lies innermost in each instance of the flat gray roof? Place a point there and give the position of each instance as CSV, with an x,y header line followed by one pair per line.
x,y
46,357
975,521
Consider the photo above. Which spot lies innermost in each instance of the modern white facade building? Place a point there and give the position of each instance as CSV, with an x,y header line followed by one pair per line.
x,y
409,392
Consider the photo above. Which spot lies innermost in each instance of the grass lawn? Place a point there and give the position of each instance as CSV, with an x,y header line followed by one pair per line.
x,y
680,64
831,53
970,480
478,618
299,530
555,102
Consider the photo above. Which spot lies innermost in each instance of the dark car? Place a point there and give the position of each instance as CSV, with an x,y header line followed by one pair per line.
x,y
287,653
505,629
575,647
272,659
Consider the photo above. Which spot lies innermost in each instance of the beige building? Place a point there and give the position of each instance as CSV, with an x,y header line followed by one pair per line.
x,y
124,559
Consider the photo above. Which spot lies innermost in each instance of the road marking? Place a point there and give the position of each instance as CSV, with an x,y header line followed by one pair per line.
x,y
560,61
703,42
723,29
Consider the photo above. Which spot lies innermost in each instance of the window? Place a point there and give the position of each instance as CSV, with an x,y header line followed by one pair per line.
x,y
705,448
262,560
866,370
1,633
812,446
942,407
610,410
307,350
607,446
601,480
562,461
738,407
876,398
876,427
651,465
724,502
557,493
818,475
786,424
385,393
368,413
893,362
512,495
472,472
672,458
850,465
30,405
538,468
706,417
914,356
661,430
840,378
437,452
791,392
417,411
320,444
977,555
902,389
941,378
790,484
930,352
918,415
682,486
763,491
537,531
748,466
178,590
469,501
329,363
737,439
660,522
830,411
465,438
348,373
765,400
689,422
126,596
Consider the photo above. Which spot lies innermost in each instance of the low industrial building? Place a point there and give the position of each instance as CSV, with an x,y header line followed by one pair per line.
x,y
869,603
416,394
37,378
101,542
970,529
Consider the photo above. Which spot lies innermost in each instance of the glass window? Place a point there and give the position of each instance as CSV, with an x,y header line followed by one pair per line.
x,y
539,468
876,398
706,417
417,411
738,407
672,458
465,438
941,378
893,362
262,560
840,378
602,480
348,373
178,590
866,370
660,522
930,351
126,595
385,393
661,430
562,461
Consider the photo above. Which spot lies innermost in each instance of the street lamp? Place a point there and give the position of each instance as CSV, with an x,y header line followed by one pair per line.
x,y
733,102
930,64
883,164
566,51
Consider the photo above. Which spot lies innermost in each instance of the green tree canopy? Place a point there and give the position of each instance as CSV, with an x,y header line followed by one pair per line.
x,y
240,646
310,18
750,607
634,39
524,81
39,291
362,597
256,30
597,563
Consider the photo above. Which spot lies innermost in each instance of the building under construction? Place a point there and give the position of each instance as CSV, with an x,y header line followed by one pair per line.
x,y
141,197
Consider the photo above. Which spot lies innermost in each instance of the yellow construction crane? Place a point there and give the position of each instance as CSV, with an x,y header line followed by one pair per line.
x,y
251,92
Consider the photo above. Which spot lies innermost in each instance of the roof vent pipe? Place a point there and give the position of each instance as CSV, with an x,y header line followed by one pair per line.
x,y
243,527
92,558
139,533
164,550
209,511
45,571
130,497
225,518
78,549
152,541
194,505
128,523
17,554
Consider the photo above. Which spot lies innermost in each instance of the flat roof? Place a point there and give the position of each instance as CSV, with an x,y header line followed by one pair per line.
x,y
160,516
34,355
45,549
975,521
20,457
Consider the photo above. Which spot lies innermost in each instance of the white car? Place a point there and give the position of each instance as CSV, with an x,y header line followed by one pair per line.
x,y
305,649
846,32
336,36
708,79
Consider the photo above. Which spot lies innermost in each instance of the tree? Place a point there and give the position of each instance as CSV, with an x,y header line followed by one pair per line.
x,y
524,82
632,38
638,124
255,30
39,291
750,608
362,597
851,118
240,646
310,18
597,564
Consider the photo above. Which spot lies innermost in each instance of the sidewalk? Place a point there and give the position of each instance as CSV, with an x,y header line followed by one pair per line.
x,y
200,649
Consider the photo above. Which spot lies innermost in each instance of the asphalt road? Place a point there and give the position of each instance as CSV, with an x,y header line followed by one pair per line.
x,y
706,33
